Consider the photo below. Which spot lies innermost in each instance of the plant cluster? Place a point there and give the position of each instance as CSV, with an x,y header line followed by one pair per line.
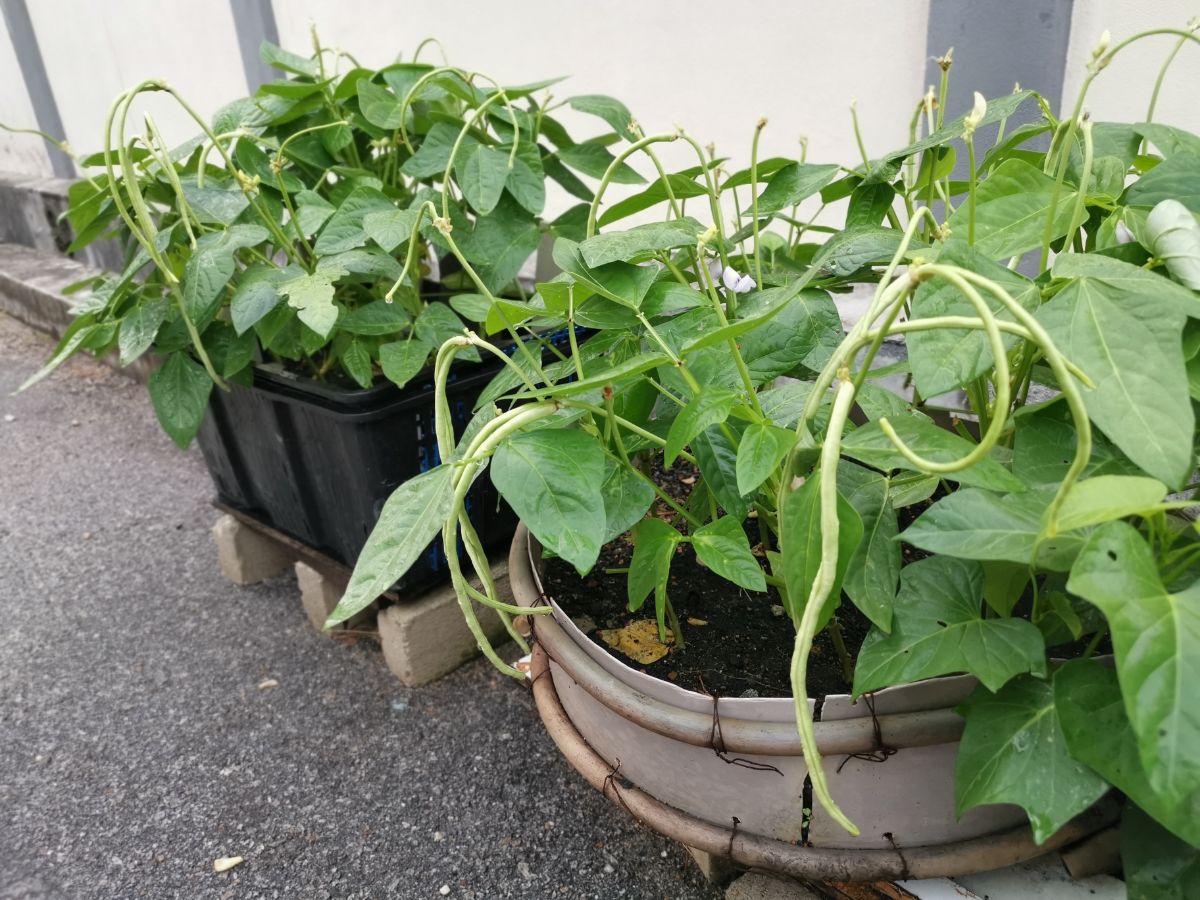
x,y
1048,274
303,225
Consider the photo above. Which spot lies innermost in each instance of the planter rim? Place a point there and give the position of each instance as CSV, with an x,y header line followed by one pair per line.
x,y
764,726
925,695
821,864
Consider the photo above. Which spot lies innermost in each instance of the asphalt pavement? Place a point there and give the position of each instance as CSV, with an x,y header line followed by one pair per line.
x,y
137,747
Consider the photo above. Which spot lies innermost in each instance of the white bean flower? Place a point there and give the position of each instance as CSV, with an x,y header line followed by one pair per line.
x,y
738,284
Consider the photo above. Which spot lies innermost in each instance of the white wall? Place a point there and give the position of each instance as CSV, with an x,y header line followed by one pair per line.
x,y
1122,91
93,51
18,153
712,66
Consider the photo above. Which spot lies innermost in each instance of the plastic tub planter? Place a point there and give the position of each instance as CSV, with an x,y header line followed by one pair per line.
x,y
317,461
728,777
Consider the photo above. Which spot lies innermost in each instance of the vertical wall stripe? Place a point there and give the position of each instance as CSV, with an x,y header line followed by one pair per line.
x,y
998,44
254,22
37,83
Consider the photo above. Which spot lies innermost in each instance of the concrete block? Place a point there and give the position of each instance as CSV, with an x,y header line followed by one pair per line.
x,y
719,870
31,291
246,556
426,638
320,593
762,886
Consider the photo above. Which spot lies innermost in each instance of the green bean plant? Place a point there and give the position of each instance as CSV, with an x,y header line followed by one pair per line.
x,y
1045,294
341,222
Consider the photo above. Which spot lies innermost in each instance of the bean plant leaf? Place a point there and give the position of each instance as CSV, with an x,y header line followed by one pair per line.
x,y
256,294
641,239
1088,699
1156,865
401,360
1045,446
1013,751
390,228
805,332
611,110
411,518
793,183
1156,640
681,187
311,295
1094,501
482,175
179,391
552,479
593,159
871,446
975,524
1108,320
709,407
627,496
760,452
937,629
717,458
723,547
379,106
654,544
433,154
1176,178
504,240
801,551
356,361
1011,208
210,267
945,358
139,327
345,230
874,569
375,318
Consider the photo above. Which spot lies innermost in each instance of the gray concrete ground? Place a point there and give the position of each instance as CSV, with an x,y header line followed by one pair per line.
x,y
136,746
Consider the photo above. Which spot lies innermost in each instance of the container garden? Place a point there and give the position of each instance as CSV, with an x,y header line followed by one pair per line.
x,y
297,265
728,775
979,556
317,461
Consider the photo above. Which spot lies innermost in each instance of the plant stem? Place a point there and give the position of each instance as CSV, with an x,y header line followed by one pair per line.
x,y
758,128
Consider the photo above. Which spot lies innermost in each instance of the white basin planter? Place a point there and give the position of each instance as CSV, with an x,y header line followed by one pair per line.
x,y
734,784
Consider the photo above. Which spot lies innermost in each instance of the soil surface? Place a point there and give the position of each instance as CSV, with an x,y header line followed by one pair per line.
x,y
742,648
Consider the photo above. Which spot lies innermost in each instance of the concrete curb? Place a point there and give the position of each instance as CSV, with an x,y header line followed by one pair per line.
x,y
32,291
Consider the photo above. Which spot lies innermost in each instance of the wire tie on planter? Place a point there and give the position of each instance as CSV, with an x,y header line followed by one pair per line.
x,y
732,836
716,740
882,751
610,780
904,874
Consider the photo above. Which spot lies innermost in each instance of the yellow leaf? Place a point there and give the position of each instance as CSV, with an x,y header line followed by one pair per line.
x,y
638,640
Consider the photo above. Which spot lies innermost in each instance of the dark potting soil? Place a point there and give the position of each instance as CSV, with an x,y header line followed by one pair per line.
x,y
744,646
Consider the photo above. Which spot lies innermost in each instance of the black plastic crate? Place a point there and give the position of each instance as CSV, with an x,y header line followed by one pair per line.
x,y
317,462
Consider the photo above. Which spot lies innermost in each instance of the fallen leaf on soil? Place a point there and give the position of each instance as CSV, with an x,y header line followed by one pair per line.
x,y
638,640
225,863
268,684
692,621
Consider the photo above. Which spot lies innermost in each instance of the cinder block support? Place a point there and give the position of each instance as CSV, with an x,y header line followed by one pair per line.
x,y
718,870
427,638
244,555
763,886
320,593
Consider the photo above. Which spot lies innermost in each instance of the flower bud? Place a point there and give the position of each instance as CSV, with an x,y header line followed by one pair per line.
x,y
975,116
